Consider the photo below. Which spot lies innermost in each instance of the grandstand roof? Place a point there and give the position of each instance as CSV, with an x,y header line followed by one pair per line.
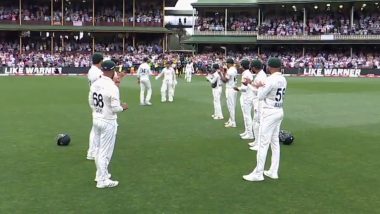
x,y
178,12
244,3
309,1
228,3
221,40
170,3
82,28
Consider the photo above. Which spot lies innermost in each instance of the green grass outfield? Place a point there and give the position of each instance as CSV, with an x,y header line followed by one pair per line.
x,y
173,158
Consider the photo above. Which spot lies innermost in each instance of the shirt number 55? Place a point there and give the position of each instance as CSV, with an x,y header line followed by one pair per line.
x,y
280,94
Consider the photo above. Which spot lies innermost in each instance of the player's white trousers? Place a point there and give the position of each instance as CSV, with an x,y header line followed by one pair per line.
x,y
105,134
188,76
256,119
145,85
167,91
217,93
92,145
246,107
270,122
231,95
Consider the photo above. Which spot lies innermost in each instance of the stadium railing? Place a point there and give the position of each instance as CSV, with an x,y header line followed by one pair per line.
x,y
228,33
357,37
104,23
35,22
148,24
318,37
9,22
287,38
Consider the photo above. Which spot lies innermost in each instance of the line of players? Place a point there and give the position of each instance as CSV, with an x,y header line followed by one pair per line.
x,y
264,94
169,81
104,100
261,95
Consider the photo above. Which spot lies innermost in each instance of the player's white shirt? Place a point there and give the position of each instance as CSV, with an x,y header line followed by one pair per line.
x,y
273,93
215,77
245,90
168,73
104,99
94,74
231,76
190,68
260,77
144,71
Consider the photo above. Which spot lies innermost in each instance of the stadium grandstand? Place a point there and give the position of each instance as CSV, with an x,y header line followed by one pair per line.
x,y
66,32
305,34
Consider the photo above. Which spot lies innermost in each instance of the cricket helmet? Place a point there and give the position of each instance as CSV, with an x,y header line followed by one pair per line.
x,y
63,140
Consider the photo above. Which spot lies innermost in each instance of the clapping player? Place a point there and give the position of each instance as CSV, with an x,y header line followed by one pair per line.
x,y
271,94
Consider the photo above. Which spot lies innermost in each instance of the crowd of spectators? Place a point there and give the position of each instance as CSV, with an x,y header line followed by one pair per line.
x,y
234,23
71,53
368,24
36,13
293,25
109,14
322,24
325,59
73,15
9,13
44,59
332,23
311,59
242,23
10,56
148,12
282,26
215,23
145,13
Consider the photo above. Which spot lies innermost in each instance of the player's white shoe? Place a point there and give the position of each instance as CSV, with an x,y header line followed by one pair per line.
x,y
142,104
254,148
106,184
218,118
148,103
242,134
252,143
90,157
253,177
247,137
228,122
270,174
230,125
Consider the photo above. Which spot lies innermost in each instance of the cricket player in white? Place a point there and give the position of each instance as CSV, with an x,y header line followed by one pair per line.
x,y
272,96
143,74
261,77
167,88
93,74
246,100
229,78
189,70
105,102
178,73
216,84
